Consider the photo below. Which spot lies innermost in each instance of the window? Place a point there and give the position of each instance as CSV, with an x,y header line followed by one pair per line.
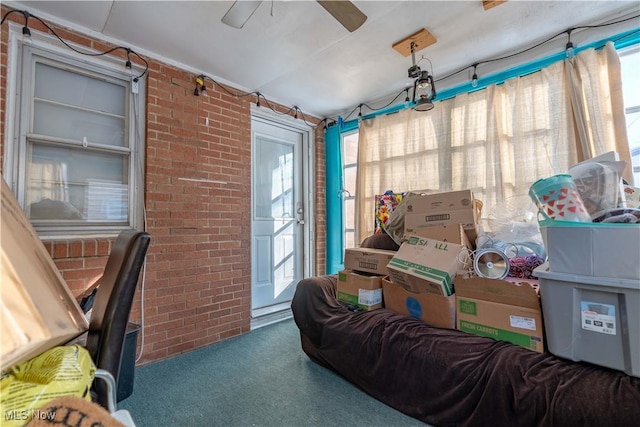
x,y
76,165
349,169
630,61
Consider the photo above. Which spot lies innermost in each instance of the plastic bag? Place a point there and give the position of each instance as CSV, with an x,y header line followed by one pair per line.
x,y
59,371
512,228
599,185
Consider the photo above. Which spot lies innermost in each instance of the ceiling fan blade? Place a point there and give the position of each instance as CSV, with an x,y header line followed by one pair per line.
x,y
240,12
345,13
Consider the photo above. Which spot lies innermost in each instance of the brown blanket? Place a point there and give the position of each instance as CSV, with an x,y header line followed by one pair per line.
x,y
450,378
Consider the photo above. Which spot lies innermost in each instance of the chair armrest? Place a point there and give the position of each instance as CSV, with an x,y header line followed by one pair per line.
x,y
111,388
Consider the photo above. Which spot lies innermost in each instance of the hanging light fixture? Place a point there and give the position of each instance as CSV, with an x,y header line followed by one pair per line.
x,y
569,47
474,78
26,32
424,90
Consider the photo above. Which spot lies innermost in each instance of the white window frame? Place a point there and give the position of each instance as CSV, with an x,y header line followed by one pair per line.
x,y
18,114
634,146
345,193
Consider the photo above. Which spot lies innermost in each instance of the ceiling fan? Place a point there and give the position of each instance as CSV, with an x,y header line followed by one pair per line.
x,y
345,12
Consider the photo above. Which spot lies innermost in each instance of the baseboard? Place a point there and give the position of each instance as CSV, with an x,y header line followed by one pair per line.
x,y
270,315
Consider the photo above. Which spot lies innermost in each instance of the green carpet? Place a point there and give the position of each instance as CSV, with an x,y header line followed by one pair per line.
x,y
259,379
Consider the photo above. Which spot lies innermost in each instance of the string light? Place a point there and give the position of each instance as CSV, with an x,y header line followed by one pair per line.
x,y
570,50
474,79
127,65
295,111
26,33
569,46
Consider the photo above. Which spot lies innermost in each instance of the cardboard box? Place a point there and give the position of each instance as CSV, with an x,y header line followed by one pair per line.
x,y
440,202
501,310
453,233
367,260
364,291
426,265
436,310
37,309
455,207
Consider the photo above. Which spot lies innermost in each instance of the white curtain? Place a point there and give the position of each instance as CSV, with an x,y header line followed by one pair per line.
x,y
499,140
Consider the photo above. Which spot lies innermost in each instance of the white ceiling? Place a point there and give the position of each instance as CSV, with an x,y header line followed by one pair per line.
x,y
295,53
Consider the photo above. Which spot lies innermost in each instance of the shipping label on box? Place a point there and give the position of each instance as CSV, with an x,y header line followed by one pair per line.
x,y
436,310
367,260
501,310
361,290
426,265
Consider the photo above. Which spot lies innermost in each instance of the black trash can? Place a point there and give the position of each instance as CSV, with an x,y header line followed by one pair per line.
x,y
128,362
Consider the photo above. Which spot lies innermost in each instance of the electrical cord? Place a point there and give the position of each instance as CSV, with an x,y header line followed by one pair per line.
x,y
128,51
241,94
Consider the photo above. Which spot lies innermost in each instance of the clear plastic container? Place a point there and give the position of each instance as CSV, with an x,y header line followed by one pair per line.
x,y
557,198
598,185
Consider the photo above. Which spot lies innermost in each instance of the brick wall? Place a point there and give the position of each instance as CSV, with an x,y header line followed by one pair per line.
x,y
197,286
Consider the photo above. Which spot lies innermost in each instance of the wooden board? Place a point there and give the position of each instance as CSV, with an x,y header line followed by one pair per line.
x,y
422,39
488,4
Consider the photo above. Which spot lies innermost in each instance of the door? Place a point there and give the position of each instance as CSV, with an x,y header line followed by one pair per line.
x,y
277,249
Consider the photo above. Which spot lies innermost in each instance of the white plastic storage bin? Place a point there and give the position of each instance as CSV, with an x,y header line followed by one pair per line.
x,y
592,319
608,250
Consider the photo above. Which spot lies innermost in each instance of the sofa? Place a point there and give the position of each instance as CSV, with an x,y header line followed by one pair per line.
x,y
446,377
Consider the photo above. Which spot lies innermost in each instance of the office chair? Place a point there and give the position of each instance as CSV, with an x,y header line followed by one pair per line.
x,y
110,313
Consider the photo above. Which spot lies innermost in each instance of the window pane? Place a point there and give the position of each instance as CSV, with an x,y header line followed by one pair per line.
x,y
69,184
349,213
630,64
350,148
633,130
75,106
273,180
66,87
69,123
350,239
350,180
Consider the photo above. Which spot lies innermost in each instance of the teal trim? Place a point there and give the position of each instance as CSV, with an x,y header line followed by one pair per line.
x,y
389,110
333,158
349,126
333,185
